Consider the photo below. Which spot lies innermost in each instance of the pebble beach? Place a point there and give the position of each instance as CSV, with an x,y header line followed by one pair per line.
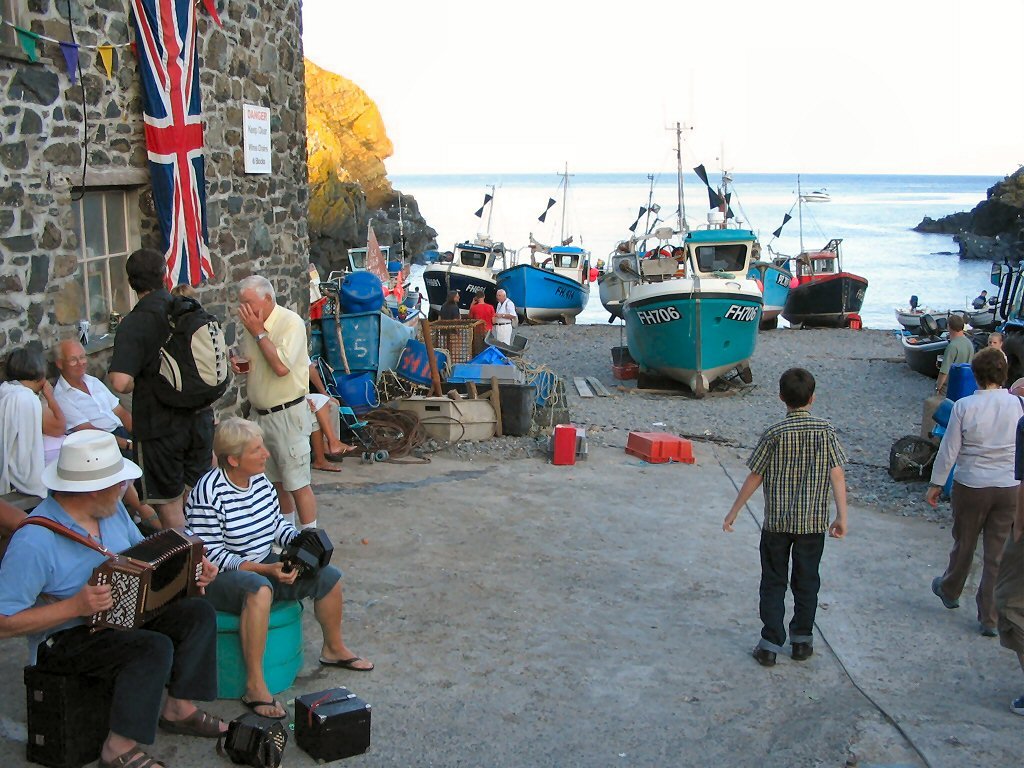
x,y
864,388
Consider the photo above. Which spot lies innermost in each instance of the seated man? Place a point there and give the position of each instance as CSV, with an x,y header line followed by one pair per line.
x,y
45,595
85,400
88,404
234,510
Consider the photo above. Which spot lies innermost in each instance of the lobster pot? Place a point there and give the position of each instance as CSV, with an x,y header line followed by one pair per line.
x,y
463,339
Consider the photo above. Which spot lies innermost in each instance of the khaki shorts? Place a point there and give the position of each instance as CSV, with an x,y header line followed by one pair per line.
x,y
286,435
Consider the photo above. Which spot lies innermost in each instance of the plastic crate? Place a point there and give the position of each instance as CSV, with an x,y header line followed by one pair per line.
x,y
491,356
456,336
659,447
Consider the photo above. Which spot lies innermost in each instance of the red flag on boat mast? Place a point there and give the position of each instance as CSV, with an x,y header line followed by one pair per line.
x,y
374,256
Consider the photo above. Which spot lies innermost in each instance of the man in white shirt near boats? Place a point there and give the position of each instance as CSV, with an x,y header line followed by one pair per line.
x,y
504,317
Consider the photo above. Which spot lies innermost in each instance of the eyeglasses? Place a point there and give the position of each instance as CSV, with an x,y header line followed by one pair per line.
x,y
81,359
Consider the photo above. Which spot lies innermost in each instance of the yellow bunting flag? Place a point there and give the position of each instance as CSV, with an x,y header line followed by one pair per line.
x,y
107,54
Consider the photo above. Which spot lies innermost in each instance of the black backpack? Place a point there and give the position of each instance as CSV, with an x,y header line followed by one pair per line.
x,y
193,361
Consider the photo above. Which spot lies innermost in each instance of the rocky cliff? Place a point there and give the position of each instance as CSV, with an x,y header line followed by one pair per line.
x,y
348,184
994,229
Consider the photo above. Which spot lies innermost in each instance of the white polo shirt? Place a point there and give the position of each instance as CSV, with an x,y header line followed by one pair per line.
x,y
96,407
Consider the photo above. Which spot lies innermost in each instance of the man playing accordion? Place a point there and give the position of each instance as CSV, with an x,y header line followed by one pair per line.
x,y
45,596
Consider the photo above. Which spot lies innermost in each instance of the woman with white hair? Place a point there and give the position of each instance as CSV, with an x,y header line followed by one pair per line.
x,y
234,510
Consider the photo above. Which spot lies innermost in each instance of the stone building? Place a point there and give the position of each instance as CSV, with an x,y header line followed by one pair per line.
x,y
75,196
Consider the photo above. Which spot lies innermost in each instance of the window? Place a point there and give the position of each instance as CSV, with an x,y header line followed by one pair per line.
x,y
721,258
107,233
473,258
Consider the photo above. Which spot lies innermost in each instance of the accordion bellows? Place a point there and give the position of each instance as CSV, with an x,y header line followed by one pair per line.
x,y
146,578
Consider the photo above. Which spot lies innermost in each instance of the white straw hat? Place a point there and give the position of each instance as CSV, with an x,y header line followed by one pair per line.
x,y
89,460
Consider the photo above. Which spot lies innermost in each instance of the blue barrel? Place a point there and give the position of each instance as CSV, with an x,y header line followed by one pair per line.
x,y
961,381
361,292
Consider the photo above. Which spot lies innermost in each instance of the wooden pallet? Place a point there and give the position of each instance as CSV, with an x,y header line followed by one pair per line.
x,y
588,386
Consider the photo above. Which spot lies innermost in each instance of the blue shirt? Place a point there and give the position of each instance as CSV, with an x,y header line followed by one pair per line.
x,y
41,562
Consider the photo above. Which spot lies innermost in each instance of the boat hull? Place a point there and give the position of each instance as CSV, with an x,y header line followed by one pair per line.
x,y
468,281
922,355
691,333
826,300
541,295
775,281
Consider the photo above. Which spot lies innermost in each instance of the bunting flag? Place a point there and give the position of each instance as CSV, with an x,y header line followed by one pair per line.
x,y
480,211
169,70
28,41
70,51
728,206
375,262
702,174
714,199
785,221
107,56
212,10
543,216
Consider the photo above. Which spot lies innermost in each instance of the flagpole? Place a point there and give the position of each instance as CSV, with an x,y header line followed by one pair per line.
x,y
490,213
565,194
800,209
650,199
679,177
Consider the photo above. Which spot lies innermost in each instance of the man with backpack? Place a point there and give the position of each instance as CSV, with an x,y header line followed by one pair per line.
x,y
172,426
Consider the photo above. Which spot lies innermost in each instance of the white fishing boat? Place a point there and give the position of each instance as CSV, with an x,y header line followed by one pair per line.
x,y
817,196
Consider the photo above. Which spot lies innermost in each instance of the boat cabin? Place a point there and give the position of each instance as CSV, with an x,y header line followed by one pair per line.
x,y
823,262
479,255
568,261
713,251
357,257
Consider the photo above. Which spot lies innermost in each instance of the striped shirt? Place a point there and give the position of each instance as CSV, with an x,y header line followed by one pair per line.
x,y
236,524
795,457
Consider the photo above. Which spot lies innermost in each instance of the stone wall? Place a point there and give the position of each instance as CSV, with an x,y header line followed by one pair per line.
x,y
257,223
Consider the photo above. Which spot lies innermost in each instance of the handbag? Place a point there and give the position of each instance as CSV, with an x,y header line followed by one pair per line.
x,y
254,740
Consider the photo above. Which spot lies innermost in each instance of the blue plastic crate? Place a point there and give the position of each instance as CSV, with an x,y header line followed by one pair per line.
x,y
491,356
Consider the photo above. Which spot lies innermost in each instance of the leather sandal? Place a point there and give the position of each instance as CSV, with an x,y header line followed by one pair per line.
x,y
199,723
133,758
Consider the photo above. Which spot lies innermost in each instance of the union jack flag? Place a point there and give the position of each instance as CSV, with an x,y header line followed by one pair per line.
x,y
165,33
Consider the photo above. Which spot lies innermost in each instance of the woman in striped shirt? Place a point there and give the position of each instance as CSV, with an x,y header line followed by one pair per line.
x,y
234,510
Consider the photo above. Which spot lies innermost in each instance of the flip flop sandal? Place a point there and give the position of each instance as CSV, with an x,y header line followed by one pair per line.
x,y
273,703
199,723
347,664
133,758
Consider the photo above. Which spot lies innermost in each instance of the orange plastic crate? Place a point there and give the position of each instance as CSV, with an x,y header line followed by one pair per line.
x,y
660,447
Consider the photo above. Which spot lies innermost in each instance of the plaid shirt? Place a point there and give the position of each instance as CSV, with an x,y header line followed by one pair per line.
x,y
795,457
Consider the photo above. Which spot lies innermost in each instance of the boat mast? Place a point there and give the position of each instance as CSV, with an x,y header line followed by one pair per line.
x,y
679,177
565,194
490,213
650,200
800,211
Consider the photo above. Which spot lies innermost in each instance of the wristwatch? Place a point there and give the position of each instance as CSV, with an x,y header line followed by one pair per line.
x,y
261,336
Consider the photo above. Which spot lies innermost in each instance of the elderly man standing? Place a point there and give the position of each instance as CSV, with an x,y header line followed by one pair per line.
x,y
45,596
275,344
174,446
504,317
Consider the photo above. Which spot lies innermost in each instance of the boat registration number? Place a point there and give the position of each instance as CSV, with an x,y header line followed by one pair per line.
x,y
781,279
740,313
657,316
433,281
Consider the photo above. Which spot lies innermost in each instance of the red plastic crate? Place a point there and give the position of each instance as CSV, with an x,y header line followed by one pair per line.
x,y
660,447
564,445
626,371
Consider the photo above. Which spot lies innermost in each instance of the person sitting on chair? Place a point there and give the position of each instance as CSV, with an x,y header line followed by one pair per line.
x,y
234,510
45,596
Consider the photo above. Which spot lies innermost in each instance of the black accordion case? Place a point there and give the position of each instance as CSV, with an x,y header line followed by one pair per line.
x,y
332,724
68,717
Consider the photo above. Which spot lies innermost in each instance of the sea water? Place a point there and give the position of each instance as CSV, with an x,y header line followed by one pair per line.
x,y
874,216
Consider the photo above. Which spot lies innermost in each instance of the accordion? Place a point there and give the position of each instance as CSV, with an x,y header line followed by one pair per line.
x,y
254,740
145,578
308,552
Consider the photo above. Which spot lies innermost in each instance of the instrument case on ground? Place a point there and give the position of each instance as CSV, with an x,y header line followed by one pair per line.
x,y
68,717
332,724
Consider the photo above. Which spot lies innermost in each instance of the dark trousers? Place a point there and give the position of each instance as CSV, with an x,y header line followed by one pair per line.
x,y
176,650
806,550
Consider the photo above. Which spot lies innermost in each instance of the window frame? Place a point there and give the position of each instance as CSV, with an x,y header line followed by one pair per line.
x,y
132,234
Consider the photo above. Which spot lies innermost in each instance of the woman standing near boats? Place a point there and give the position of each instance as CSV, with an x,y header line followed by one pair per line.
x,y
980,441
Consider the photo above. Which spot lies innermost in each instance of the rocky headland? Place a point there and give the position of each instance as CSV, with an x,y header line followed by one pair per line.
x,y
994,229
348,185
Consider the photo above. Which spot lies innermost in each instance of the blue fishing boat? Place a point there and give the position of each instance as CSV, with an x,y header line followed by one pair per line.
x,y
696,320
554,288
775,280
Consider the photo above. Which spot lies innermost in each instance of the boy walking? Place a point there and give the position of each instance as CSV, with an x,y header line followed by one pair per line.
x,y
796,459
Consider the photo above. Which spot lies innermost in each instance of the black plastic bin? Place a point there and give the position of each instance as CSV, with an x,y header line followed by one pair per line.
x,y
517,402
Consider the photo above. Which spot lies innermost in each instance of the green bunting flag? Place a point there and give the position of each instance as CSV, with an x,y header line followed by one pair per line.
x,y
28,42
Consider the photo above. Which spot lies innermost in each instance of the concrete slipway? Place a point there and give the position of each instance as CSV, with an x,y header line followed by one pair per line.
x,y
522,614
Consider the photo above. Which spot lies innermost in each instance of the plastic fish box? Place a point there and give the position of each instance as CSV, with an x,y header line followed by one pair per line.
x,y
452,420
659,447
332,724
481,374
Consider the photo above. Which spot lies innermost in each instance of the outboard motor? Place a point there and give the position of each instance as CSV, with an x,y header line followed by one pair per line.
x,y
929,326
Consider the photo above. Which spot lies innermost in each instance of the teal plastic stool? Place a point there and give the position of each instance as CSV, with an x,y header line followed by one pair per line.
x,y
282,658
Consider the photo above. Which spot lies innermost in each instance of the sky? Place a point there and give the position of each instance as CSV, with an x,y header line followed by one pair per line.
x,y
901,86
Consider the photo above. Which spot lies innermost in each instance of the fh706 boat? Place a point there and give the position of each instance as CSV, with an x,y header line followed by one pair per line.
x,y
696,321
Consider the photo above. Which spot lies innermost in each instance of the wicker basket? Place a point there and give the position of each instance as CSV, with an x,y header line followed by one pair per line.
x,y
462,338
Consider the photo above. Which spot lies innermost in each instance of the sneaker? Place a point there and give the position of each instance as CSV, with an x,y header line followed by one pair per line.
x,y
987,631
937,590
802,651
1017,706
766,658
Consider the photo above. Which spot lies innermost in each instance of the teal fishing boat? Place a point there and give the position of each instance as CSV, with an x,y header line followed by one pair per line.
x,y
695,318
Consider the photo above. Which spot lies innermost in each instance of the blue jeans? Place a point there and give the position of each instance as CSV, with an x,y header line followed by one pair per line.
x,y
806,552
